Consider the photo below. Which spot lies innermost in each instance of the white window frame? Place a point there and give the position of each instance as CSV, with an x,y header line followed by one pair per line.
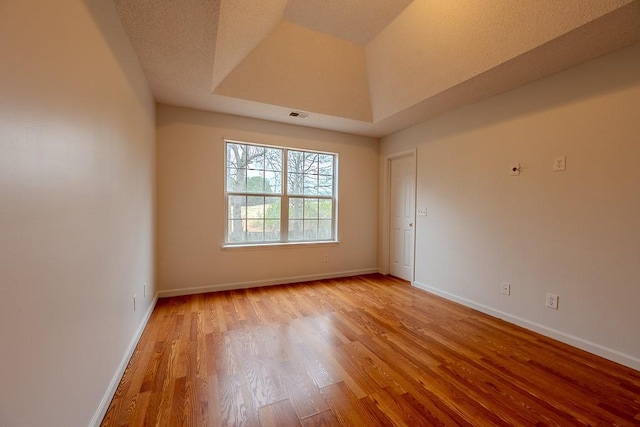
x,y
284,199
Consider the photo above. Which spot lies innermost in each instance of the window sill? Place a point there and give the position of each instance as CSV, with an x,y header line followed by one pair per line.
x,y
288,245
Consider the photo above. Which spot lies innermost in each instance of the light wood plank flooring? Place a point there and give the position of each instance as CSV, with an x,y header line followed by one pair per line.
x,y
361,351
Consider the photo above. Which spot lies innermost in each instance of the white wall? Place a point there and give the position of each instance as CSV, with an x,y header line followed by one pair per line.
x,y
191,205
574,233
76,208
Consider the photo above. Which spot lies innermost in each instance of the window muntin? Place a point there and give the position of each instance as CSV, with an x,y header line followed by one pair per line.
x,y
263,208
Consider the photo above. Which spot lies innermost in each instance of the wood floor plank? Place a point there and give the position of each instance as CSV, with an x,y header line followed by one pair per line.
x,y
398,411
235,408
138,415
322,419
209,401
304,395
359,351
279,414
335,370
349,410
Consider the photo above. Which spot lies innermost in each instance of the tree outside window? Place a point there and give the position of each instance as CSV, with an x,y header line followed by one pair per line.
x,y
262,207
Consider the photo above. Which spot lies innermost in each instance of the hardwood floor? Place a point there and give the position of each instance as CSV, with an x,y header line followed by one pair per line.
x,y
367,350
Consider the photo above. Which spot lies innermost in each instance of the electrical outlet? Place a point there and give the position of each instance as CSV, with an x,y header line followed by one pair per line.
x,y
560,164
552,301
506,288
134,303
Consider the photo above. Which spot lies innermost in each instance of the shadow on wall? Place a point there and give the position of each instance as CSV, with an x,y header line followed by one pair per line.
x,y
120,46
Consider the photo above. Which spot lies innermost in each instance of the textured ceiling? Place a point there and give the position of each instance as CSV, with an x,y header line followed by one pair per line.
x,y
369,67
357,21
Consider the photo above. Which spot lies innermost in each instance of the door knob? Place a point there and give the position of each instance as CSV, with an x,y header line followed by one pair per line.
x,y
410,224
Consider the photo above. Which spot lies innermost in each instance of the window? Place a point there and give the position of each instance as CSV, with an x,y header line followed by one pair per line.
x,y
279,195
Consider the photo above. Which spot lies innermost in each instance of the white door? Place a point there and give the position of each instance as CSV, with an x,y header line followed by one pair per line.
x,y
402,222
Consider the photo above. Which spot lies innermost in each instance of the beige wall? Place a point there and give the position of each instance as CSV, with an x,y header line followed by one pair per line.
x,y
574,233
76,208
191,205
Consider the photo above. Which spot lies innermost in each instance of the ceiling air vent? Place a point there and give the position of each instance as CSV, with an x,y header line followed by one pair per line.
x,y
298,114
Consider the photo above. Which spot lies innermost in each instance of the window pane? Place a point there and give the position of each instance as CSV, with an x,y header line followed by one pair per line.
x,y
311,163
236,179
311,185
273,182
255,230
311,229
295,183
324,229
237,206
255,207
273,159
325,185
311,209
325,164
296,208
295,161
325,209
236,155
237,215
255,157
236,232
272,230
272,208
295,229
255,181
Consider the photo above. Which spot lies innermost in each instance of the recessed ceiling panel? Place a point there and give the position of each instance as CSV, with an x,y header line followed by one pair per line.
x,y
306,70
358,21
364,66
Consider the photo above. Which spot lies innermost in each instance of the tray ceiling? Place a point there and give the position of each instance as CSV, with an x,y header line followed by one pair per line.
x,y
369,67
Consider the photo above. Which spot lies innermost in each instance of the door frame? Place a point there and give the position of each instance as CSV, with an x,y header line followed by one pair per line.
x,y
385,234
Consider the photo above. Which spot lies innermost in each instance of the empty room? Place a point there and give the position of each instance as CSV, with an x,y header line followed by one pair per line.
x,y
319,212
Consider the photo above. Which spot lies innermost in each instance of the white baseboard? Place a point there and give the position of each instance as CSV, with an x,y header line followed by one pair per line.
x,y
257,283
583,344
117,377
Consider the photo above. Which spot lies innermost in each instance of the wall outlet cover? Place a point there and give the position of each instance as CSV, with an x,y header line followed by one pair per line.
x,y
552,301
560,164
